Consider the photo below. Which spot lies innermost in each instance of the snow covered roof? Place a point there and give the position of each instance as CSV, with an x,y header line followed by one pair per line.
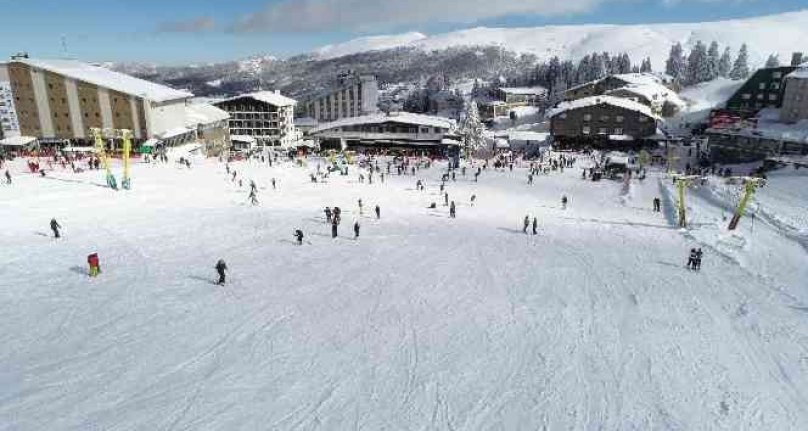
x,y
398,117
106,78
17,141
269,97
653,92
202,113
601,100
638,78
536,91
800,73
177,131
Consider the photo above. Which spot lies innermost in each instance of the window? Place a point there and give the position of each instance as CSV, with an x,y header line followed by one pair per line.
x,y
762,86
775,85
604,118
587,117
746,96
603,131
563,116
586,130
772,96
618,131
777,75
760,96
619,118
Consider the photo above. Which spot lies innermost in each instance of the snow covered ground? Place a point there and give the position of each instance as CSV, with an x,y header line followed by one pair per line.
x,y
425,322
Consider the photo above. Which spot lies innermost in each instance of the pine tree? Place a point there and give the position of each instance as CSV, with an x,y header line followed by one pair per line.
x,y
740,69
725,63
697,67
646,65
713,59
773,61
582,73
676,64
597,67
624,63
471,129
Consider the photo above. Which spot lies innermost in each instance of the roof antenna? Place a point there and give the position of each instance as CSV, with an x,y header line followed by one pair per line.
x,y
64,47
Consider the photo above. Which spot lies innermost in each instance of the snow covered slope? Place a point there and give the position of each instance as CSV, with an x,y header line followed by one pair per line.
x,y
783,34
425,322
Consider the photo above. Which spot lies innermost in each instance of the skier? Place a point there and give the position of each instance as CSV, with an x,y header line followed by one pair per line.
x,y
535,226
356,229
526,224
564,202
234,176
473,199
253,198
54,225
221,267
378,212
691,260
446,199
698,259
93,262
360,206
337,215
530,179
656,205
299,236
273,184
334,224
8,177
327,212
252,186
452,210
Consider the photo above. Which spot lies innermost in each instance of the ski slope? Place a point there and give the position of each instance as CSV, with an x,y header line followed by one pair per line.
x,y
424,322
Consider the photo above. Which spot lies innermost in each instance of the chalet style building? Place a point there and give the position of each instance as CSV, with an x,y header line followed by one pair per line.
x,y
602,122
651,90
263,117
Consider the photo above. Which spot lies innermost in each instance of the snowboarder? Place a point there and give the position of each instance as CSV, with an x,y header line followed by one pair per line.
x,y
526,224
535,226
378,212
356,229
656,205
221,267
95,266
564,202
54,225
327,212
452,210
299,236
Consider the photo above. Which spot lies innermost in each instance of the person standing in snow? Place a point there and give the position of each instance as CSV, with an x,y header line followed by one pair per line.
x,y
378,212
359,202
691,260
337,215
94,264
656,205
446,199
221,267
530,179
473,199
526,224
356,229
8,177
273,184
253,188
334,225
327,212
535,226
697,263
253,197
564,202
54,225
299,236
452,210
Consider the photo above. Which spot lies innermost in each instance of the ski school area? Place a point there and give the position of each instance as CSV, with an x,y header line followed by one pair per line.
x,y
422,321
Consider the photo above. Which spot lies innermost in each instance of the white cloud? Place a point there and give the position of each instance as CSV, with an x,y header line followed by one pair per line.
x,y
324,15
189,26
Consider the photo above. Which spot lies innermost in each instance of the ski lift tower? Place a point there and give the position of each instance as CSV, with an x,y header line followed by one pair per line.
x,y
751,184
683,182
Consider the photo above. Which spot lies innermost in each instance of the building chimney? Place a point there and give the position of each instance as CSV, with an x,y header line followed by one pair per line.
x,y
796,59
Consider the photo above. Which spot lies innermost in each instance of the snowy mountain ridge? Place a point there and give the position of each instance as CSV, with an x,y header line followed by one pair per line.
x,y
782,34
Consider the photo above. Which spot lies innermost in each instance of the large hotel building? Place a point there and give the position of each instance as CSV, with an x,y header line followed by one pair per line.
x,y
357,97
62,100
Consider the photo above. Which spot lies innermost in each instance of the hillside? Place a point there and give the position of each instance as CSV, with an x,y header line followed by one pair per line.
x,y
783,34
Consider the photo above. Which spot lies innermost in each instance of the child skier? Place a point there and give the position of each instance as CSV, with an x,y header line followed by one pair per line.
x,y
95,266
54,225
221,267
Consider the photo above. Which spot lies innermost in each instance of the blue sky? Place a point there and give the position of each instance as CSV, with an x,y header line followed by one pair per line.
x,y
175,32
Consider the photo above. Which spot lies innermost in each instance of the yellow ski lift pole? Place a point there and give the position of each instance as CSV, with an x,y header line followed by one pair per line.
x,y
682,184
126,182
749,190
102,154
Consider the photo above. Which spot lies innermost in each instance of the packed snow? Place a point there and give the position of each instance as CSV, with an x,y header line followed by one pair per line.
x,y
423,322
782,34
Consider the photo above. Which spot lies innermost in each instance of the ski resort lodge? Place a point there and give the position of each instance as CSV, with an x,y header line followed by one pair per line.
x,y
60,101
394,131
602,122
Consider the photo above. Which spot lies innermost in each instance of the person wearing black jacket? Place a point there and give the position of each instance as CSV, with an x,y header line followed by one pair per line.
x,y
221,267
54,225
